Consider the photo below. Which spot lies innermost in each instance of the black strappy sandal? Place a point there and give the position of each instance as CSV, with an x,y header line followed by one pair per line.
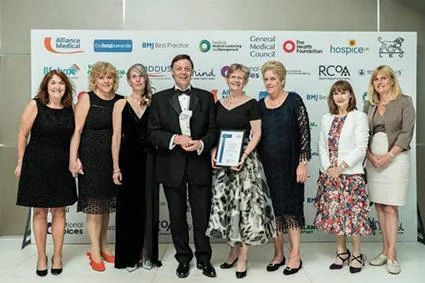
x,y
344,260
361,259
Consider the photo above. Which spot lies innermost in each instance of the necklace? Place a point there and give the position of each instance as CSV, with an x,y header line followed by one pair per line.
x,y
273,103
232,101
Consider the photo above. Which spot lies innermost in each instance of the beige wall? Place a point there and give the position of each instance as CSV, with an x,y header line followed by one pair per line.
x,y
18,17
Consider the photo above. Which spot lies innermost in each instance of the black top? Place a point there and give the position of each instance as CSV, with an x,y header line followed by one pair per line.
x,y
45,180
237,118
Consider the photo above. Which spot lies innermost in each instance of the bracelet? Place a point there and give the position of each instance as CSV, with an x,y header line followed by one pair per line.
x,y
391,154
116,171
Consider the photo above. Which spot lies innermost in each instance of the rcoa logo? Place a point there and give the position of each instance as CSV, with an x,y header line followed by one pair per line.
x,y
333,72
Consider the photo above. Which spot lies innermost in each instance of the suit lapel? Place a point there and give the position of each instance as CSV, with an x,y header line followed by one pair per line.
x,y
370,113
194,101
174,101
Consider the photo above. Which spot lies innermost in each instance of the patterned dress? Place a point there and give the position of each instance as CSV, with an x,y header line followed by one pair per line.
x,y
341,206
241,208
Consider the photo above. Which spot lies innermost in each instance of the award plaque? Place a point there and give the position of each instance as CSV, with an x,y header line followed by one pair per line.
x,y
229,148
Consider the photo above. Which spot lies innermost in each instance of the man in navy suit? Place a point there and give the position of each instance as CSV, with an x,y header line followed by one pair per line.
x,y
182,126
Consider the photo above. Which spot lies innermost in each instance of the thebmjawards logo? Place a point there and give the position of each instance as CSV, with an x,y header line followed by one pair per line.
x,y
391,47
63,45
113,45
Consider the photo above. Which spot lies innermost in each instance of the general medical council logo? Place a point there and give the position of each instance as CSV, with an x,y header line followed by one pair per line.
x,y
63,45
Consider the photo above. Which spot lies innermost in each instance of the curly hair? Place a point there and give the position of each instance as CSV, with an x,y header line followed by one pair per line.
x,y
100,69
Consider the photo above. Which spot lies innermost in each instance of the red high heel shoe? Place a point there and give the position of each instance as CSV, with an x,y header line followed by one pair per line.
x,y
108,258
96,266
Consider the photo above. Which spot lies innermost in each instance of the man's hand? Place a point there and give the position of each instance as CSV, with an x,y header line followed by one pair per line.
x,y
193,145
183,140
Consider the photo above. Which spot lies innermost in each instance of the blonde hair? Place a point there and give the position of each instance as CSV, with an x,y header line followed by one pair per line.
x,y
372,95
276,67
101,69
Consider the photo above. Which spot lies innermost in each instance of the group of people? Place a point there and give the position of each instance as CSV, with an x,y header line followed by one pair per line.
x,y
122,148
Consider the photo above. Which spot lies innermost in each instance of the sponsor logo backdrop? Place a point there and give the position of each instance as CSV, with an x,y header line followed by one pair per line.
x,y
314,60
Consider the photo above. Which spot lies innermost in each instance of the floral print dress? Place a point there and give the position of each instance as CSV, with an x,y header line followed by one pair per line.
x,y
342,206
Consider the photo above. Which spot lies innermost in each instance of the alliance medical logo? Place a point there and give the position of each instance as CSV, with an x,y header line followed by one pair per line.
x,y
351,49
63,45
113,45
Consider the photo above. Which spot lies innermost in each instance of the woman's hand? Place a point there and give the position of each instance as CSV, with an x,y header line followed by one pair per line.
x,y
117,177
76,167
301,172
18,169
383,161
213,158
241,162
372,158
334,173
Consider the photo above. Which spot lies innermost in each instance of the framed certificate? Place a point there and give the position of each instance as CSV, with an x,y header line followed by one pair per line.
x,y
229,148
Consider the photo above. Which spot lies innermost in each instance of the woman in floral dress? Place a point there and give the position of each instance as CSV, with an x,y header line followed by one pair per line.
x,y
341,199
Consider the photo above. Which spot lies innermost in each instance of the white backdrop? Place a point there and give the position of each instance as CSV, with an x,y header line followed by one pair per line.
x,y
314,60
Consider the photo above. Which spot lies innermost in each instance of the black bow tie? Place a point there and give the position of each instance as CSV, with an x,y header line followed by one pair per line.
x,y
180,92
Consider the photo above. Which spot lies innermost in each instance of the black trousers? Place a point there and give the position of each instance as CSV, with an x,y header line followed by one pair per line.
x,y
200,205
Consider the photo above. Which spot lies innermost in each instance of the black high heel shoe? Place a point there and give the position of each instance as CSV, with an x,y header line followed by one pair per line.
x,y
290,271
360,259
242,274
275,266
227,265
43,272
55,271
344,260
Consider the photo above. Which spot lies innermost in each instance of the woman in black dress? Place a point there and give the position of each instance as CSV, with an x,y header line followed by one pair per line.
x,y
91,158
132,160
285,151
42,164
241,208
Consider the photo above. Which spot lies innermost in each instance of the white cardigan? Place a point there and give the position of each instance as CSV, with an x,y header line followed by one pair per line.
x,y
352,142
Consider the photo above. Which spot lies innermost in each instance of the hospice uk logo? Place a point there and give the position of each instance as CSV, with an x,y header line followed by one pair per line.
x,y
351,49
63,45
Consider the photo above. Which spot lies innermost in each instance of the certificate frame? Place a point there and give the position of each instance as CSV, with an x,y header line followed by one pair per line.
x,y
229,148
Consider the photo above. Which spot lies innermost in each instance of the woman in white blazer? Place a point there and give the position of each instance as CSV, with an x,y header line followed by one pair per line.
x,y
341,199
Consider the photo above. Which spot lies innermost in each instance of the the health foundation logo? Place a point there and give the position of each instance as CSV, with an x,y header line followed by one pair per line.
x,y
63,45
300,47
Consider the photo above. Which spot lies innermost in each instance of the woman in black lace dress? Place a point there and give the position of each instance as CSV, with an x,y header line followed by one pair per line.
x,y
91,158
45,181
136,239
285,150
